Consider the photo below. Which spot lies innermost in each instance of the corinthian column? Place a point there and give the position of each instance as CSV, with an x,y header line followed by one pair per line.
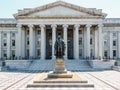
x,y
0,45
100,40
8,44
42,41
88,40
65,38
119,45
23,42
96,43
31,46
76,41
53,39
19,41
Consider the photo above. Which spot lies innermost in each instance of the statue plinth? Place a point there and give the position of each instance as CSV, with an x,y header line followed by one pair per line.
x,y
60,70
60,66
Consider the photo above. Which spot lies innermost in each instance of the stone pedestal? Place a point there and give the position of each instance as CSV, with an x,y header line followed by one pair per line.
x,y
60,70
60,66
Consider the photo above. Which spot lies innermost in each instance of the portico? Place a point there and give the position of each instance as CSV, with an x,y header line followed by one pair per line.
x,y
54,31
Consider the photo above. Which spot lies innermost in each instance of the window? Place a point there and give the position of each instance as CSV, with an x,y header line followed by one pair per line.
x,y
27,40
4,42
13,42
27,52
80,52
114,53
105,43
13,53
91,53
38,43
80,41
13,34
4,53
114,42
114,34
5,35
38,52
91,41
105,54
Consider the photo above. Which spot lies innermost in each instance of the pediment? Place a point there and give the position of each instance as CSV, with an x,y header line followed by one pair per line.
x,y
59,9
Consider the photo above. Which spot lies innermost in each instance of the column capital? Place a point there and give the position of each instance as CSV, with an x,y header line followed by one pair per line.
x,y
88,25
53,25
65,26
76,25
19,25
100,25
30,25
42,26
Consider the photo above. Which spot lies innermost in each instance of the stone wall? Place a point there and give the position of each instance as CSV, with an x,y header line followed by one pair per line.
x,y
18,64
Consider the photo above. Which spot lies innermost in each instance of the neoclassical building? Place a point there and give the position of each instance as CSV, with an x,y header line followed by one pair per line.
x,y
87,33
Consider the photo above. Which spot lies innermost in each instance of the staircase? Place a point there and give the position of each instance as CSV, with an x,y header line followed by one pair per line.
x,y
42,65
48,65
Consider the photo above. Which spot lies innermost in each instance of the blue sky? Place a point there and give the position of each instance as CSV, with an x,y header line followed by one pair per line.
x,y
9,7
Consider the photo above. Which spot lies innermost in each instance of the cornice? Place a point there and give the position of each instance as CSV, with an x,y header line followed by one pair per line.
x,y
64,17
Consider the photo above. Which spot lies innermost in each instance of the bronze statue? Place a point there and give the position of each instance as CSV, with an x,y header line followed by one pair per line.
x,y
59,47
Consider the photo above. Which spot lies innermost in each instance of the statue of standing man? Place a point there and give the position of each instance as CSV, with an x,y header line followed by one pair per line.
x,y
59,47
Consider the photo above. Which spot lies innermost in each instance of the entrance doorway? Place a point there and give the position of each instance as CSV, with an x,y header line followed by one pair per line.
x,y
70,43
48,43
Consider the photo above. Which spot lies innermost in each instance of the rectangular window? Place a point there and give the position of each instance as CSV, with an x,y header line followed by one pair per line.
x,y
38,43
4,35
13,34
91,41
114,42
38,52
105,43
80,52
27,52
4,42
105,54
114,53
13,42
114,34
13,53
4,53
80,41
91,53
27,40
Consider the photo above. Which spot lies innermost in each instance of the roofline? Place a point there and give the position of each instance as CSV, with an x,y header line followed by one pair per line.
x,y
50,5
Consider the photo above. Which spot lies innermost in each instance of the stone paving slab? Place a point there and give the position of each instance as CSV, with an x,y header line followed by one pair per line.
x,y
103,80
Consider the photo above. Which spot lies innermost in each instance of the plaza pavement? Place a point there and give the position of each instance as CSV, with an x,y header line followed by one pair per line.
x,y
102,79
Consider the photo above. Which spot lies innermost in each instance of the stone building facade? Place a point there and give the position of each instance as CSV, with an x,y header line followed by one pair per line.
x,y
87,33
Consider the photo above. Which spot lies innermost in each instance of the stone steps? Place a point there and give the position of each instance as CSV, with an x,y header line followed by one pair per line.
x,y
37,85
49,65
82,81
